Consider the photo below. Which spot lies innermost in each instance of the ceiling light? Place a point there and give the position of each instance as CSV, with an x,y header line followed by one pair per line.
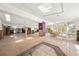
x,y
45,8
7,17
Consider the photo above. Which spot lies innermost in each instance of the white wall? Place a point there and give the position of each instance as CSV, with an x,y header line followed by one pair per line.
x,y
0,25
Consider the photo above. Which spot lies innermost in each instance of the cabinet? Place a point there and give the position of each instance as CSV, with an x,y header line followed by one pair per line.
x,y
28,31
1,34
77,35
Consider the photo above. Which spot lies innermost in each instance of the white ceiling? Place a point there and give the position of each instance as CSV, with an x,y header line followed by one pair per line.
x,y
28,13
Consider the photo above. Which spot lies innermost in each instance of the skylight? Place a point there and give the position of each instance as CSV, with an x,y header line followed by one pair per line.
x,y
45,8
7,17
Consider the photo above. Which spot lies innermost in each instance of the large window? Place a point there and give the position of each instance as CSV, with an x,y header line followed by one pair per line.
x,y
58,28
71,30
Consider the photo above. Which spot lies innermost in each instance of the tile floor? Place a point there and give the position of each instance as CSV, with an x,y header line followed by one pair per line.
x,y
19,43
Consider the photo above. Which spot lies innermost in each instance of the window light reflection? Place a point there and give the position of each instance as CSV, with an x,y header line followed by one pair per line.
x,y
29,38
77,47
11,36
19,40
